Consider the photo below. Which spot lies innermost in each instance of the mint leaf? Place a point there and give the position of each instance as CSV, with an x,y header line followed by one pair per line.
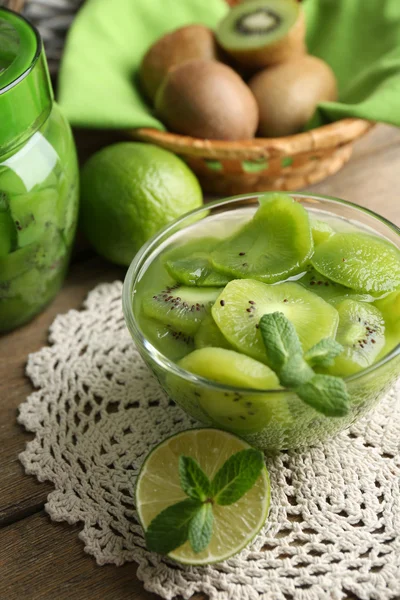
x,y
295,372
327,394
280,339
237,476
170,529
200,528
194,481
323,353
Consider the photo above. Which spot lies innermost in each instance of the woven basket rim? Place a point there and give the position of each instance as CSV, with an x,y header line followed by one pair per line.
x,y
326,136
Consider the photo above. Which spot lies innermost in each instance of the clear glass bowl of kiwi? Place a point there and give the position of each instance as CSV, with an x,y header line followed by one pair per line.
x,y
194,295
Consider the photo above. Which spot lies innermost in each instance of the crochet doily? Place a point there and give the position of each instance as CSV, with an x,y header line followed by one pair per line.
x,y
334,527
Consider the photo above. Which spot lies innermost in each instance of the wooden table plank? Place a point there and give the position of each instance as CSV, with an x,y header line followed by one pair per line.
x,y
42,560
372,177
21,495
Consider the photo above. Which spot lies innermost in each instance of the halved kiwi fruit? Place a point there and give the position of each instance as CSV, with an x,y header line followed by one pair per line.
x,y
363,262
240,306
361,332
273,246
174,48
207,99
182,308
190,264
390,309
259,33
288,94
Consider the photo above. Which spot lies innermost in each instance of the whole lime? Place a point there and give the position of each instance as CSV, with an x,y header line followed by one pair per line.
x,y
128,192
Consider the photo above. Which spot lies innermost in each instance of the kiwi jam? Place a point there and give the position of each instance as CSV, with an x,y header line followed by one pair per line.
x,y
38,177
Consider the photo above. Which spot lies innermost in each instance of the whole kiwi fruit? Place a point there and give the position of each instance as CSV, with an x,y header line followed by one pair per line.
x,y
287,94
185,43
207,99
260,33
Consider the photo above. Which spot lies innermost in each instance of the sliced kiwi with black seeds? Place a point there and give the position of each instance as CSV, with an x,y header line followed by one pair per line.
x,y
259,33
240,306
235,410
208,335
172,343
273,246
361,332
182,308
390,309
363,262
322,286
190,264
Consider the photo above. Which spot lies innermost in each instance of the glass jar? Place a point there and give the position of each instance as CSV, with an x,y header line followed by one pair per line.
x,y
38,177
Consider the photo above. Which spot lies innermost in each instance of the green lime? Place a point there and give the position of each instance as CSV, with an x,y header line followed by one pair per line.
x,y
128,192
158,486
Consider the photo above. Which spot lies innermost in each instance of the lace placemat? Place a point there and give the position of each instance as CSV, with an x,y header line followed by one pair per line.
x,y
334,525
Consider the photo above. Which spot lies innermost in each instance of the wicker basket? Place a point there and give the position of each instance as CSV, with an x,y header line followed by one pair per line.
x,y
225,168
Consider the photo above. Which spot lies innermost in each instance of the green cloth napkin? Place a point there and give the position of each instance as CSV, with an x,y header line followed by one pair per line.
x,y
360,39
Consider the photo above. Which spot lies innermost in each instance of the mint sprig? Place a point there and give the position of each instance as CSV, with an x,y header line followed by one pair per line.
x,y
192,518
325,393
194,481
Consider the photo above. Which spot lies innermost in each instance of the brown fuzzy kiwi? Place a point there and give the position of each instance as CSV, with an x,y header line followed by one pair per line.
x,y
207,99
287,94
260,33
185,43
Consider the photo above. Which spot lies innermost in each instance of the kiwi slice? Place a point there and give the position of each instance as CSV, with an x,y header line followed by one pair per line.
x,y
190,264
7,228
182,308
361,332
208,335
390,309
322,286
363,262
170,342
32,213
235,410
240,306
260,33
273,246
321,231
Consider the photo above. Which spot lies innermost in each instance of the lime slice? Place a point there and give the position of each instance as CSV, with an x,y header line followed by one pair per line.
x,y
158,487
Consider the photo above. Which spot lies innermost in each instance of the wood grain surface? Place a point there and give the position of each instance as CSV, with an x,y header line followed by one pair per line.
x,y
40,560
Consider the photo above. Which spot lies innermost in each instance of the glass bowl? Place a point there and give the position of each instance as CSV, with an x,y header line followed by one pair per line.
x,y
276,419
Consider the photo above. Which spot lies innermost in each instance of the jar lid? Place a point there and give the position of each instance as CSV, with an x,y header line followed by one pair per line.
x,y
26,95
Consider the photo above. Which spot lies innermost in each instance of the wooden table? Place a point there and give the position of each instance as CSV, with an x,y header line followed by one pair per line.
x,y
41,560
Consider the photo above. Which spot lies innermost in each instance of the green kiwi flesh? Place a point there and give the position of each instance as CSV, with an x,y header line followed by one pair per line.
x,y
273,246
208,335
190,264
360,261
235,410
174,344
361,332
321,231
260,33
240,306
182,308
